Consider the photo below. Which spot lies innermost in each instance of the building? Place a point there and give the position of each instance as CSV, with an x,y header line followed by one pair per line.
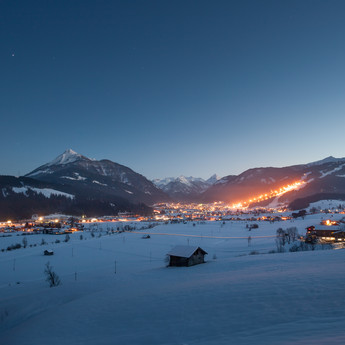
x,y
186,256
325,233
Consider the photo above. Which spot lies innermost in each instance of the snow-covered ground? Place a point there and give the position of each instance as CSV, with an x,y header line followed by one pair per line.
x,y
116,289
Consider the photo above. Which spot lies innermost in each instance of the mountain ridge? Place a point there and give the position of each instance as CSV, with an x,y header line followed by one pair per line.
x,y
76,184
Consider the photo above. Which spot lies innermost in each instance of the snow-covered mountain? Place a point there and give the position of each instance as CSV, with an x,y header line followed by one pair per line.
x,y
213,179
184,188
329,159
321,179
68,156
95,179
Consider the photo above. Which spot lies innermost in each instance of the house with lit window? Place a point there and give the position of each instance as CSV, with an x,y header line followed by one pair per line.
x,y
325,233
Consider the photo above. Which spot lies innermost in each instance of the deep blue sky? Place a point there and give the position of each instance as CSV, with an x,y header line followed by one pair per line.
x,y
172,87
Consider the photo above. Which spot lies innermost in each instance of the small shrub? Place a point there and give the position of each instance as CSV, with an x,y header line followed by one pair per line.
x,y
294,248
51,277
14,246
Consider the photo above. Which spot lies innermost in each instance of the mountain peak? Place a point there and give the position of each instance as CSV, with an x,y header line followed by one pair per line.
x,y
68,156
329,159
213,179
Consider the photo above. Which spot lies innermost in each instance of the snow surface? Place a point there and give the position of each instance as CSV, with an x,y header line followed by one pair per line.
x,y
47,192
68,156
46,171
182,251
160,183
329,159
270,180
116,289
327,204
101,184
76,178
213,179
323,174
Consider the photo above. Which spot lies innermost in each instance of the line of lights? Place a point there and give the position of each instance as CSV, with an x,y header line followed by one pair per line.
x,y
272,194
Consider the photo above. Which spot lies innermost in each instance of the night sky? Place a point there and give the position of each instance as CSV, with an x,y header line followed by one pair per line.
x,y
172,87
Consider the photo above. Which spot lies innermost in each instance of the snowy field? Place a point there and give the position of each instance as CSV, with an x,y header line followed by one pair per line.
x,y
116,289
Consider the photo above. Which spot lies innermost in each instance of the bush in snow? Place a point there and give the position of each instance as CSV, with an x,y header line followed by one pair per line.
x,y
285,236
67,238
14,246
25,242
51,277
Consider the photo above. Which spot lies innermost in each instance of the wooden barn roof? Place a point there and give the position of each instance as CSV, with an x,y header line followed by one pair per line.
x,y
184,251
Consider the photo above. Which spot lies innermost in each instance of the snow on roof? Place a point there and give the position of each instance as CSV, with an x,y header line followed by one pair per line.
x,y
184,251
327,227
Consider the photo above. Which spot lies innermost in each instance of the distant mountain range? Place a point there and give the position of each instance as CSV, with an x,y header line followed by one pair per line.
x,y
75,184
185,188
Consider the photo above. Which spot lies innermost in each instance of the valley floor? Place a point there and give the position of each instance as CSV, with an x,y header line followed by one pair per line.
x,y
116,289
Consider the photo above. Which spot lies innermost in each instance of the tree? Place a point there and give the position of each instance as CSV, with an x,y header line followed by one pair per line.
x,y
280,240
25,242
51,277
281,236
292,233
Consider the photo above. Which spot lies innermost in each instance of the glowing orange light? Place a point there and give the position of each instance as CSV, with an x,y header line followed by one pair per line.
x,y
272,194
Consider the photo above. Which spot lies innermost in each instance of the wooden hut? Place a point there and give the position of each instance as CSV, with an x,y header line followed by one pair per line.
x,y
186,256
